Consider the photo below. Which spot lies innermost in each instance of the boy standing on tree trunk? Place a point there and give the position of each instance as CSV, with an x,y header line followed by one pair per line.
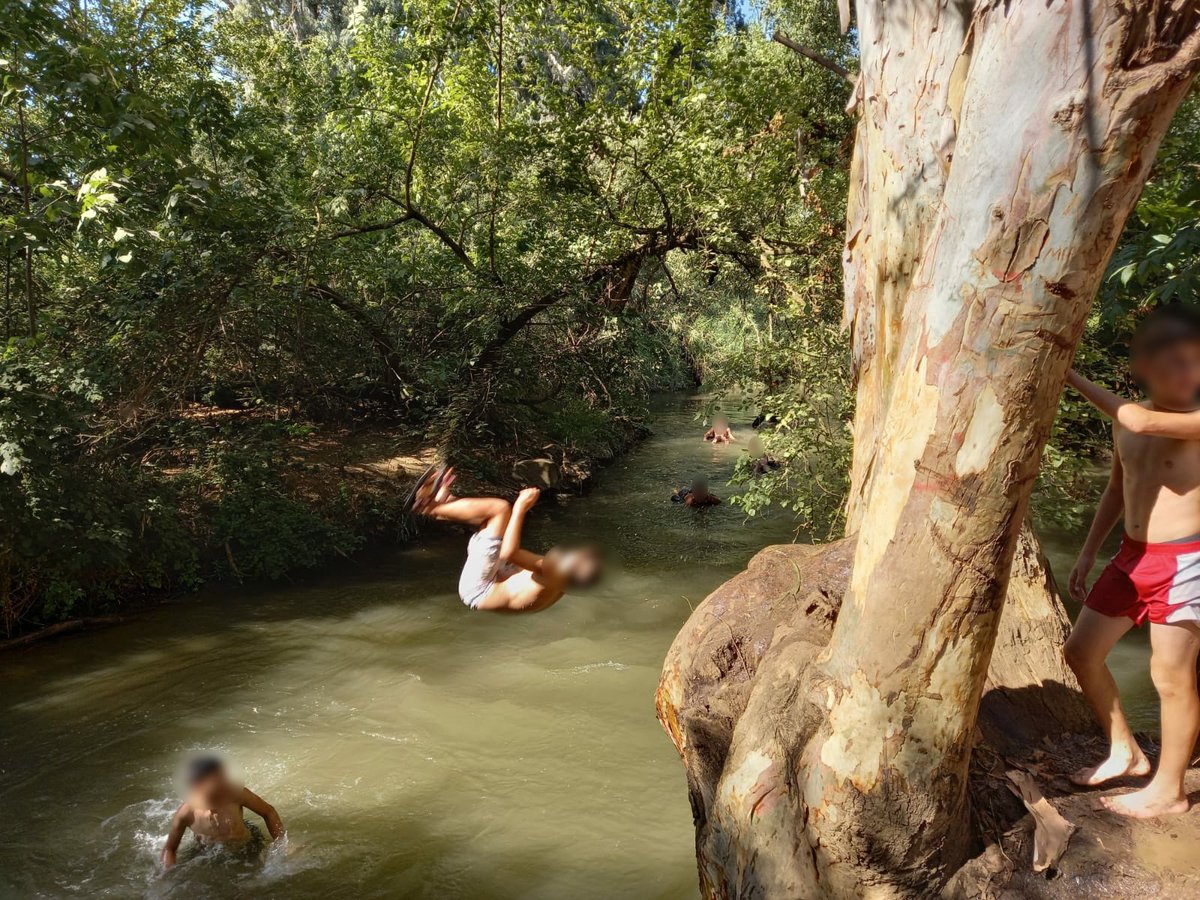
x,y
1155,576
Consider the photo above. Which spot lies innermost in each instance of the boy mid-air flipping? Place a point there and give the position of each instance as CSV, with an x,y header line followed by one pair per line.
x,y
499,574
1155,576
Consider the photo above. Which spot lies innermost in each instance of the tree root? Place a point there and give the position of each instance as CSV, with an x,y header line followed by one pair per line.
x,y
733,699
70,626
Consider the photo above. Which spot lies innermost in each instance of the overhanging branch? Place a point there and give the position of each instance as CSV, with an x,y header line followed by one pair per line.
x,y
382,341
511,327
368,229
824,61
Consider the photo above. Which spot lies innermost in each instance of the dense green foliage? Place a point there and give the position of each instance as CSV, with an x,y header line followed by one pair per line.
x,y
236,235
228,229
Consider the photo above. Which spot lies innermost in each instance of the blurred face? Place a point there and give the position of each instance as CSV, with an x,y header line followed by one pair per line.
x,y
1171,375
212,785
721,423
580,565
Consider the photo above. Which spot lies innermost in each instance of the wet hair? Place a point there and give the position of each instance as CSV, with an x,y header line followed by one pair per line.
x,y
200,768
1165,326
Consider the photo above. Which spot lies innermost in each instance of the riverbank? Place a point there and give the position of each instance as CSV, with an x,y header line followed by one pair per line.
x,y
250,497
413,747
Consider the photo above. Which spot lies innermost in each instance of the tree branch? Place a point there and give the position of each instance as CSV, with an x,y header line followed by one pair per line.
x,y
824,61
412,215
662,197
368,229
512,326
364,320
420,123
454,246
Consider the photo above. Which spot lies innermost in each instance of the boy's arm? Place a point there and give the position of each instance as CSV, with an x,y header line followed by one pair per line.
x,y
257,804
1134,416
1108,512
179,825
510,544
526,559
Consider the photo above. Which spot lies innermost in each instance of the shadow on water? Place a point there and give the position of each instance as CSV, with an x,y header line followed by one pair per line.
x,y
413,748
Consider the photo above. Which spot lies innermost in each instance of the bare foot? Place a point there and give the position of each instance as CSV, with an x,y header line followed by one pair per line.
x,y
1145,804
443,489
433,483
1118,765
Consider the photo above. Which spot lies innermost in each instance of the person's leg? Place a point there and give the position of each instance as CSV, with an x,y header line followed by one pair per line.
x,y
1086,650
490,513
1173,668
435,500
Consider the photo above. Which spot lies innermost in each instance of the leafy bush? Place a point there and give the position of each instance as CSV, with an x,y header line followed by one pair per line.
x,y
76,526
263,530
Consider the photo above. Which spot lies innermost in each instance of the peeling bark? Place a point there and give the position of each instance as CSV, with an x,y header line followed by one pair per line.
x,y
1001,147
756,636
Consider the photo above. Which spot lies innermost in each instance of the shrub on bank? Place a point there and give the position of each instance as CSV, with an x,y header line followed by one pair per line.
x,y
89,519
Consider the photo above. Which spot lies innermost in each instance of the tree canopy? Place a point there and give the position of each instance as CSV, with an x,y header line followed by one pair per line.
x,y
495,224
491,225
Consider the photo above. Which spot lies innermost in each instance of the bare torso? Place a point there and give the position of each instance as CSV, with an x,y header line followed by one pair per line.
x,y
523,591
1161,486
220,823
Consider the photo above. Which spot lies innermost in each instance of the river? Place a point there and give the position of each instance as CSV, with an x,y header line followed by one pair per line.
x,y
413,748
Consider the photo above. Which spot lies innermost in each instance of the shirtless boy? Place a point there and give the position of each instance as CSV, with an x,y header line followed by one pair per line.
x,y
213,810
499,574
1155,576
697,495
720,433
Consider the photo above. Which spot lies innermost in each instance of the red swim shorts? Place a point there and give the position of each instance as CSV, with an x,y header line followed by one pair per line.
x,y
1159,582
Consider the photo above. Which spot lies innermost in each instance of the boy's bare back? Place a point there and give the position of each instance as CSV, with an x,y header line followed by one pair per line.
x,y
525,590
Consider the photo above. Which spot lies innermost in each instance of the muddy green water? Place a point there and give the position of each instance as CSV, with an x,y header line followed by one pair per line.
x,y
414,748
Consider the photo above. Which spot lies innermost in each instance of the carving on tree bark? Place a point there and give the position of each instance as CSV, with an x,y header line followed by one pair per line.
x,y
1001,147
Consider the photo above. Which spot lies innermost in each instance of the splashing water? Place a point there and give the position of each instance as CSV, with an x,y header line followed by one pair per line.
x,y
414,748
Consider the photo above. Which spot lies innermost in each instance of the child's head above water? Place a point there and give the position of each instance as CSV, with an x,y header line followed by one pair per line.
x,y
206,774
579,565
1165,355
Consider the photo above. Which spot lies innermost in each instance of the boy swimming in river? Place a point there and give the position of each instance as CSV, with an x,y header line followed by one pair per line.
x,y
1155,576
499,574
697,495
720,433
213,810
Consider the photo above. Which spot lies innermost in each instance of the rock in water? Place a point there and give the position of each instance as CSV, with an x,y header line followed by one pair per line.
x,y
543,473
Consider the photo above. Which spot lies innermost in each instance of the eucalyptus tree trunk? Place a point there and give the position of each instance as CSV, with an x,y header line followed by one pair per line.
x,y
1001,147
